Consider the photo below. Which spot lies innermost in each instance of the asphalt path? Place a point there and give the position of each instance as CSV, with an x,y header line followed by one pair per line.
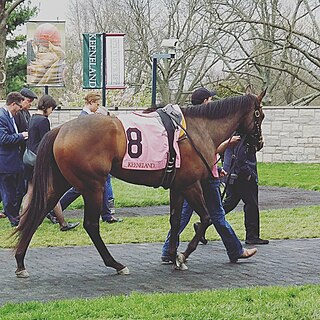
x,y
78,272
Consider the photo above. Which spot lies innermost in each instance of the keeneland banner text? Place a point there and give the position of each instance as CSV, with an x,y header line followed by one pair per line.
x,y
92,60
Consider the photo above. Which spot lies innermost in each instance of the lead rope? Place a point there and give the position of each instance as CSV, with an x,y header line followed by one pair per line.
x,y
197,151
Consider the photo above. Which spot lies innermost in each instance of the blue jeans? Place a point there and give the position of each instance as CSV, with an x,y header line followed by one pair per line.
x,y
72,194
107,199
213,201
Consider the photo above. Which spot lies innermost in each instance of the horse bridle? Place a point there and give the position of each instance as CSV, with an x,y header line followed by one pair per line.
x,y
256,135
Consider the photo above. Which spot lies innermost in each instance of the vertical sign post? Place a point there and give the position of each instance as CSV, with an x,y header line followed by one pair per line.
x,y
103,62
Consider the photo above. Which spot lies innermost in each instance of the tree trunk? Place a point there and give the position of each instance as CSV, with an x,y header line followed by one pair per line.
x,y
3,51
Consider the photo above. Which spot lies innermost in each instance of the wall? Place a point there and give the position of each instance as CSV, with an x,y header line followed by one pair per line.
x,y
290,133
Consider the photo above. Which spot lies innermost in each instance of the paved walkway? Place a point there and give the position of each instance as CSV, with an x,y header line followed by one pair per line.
x,y
78,272
75,272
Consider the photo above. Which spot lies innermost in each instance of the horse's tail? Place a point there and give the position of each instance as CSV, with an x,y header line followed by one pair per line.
x,y
42,182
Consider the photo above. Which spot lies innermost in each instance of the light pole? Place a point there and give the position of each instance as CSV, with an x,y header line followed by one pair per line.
x,y
171,45
155,58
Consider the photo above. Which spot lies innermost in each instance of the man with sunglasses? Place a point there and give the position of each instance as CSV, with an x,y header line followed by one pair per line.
x,y
23,116
10,158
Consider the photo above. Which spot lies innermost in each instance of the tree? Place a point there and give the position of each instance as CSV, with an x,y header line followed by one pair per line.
x,y
145,24
277,46
227,44
12,14
16,72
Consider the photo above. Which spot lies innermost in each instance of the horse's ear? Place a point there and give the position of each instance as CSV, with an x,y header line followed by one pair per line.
x,y
249,89
262,94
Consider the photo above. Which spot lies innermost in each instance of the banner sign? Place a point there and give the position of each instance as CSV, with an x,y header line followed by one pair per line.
x,y
46,64
114,61
92,60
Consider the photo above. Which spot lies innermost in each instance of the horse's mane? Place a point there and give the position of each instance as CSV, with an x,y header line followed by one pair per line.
x,y
154,108
221,108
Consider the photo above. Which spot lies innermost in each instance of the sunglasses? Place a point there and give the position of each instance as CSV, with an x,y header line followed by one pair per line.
x,y
18,104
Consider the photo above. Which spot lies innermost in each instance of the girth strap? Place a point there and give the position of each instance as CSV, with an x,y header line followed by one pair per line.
x,y
171,168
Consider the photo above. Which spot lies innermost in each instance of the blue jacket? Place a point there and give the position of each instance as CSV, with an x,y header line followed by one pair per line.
x,y
245,162
10,143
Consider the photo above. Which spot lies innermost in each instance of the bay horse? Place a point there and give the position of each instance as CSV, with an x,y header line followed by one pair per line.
x,y
83,151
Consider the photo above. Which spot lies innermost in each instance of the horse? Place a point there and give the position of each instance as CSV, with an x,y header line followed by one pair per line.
x,y
83,151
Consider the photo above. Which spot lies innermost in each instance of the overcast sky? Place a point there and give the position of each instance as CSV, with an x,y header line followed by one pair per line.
x,y
51,9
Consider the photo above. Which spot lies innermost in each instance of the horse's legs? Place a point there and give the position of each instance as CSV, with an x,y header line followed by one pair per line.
x,y
30,221
92,210
195,198
27,197
21,251
176,202
21,271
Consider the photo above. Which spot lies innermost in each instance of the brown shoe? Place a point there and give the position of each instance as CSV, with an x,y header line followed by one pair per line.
x,y
2,215
247,253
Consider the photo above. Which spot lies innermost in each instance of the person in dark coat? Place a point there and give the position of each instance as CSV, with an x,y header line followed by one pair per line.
x,y
39,125
23,116
22,119
241,161
10,157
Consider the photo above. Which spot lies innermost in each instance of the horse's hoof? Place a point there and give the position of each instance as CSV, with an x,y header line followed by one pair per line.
x,y
22,273
124,271
180,262
181,267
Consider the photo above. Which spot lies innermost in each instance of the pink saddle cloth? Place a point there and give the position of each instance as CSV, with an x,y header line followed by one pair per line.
x,y
147,141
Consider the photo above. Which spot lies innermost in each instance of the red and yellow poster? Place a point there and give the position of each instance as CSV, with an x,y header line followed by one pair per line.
x,y
46,64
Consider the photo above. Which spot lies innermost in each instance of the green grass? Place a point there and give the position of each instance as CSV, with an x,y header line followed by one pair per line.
x,y
294,303
291,175
131,195
302,222
276,224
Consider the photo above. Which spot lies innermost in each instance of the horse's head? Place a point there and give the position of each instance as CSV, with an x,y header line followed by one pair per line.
x,y
253,121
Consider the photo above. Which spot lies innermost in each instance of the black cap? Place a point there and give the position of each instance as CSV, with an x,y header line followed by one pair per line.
x,y
27,93
201,94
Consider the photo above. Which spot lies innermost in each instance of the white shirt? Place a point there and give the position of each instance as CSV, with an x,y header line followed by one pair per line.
x,y
86,109
12,119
